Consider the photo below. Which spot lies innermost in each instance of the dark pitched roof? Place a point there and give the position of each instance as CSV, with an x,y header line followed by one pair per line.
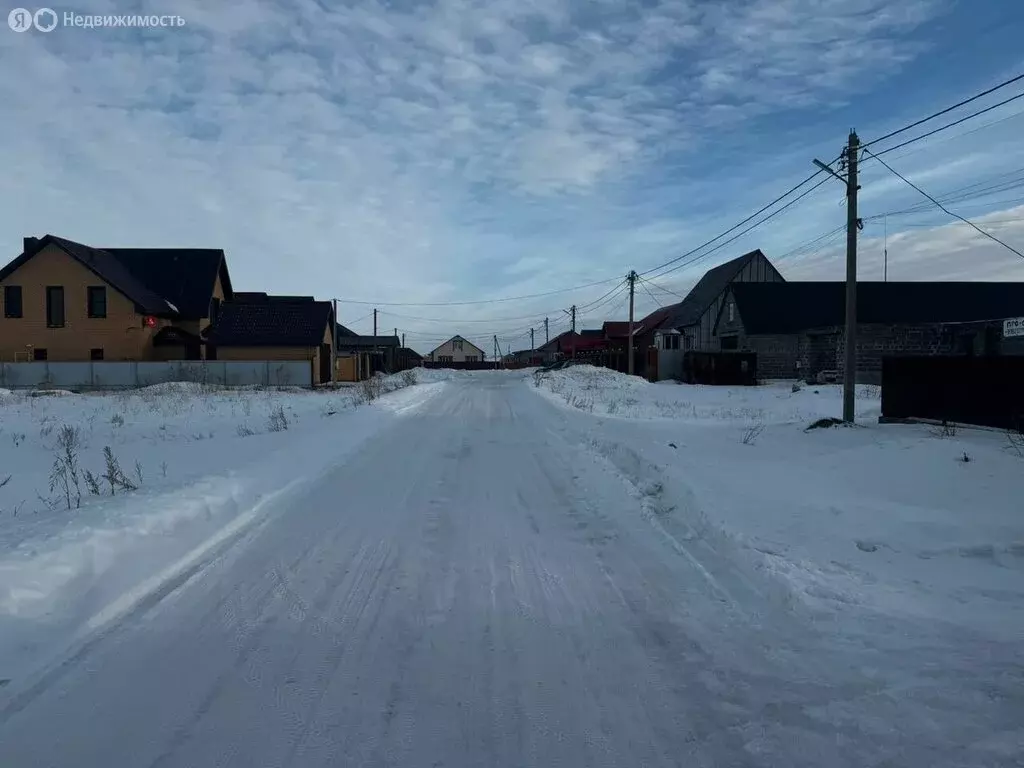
x,y
261,296
104,265
794,307
654,320
702,295
368,342
342,331
553,345
167,282
182,276
616,328
276,322
410,353
596,333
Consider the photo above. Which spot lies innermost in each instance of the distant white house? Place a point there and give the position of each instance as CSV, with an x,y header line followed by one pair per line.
x,y
457,350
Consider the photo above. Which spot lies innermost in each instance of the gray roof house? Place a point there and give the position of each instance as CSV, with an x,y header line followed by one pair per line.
x,y
695,315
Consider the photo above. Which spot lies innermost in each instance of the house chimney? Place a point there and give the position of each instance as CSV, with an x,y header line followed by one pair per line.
x,y
29,244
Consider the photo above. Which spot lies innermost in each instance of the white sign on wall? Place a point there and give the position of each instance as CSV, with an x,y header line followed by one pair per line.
x,y
1013,327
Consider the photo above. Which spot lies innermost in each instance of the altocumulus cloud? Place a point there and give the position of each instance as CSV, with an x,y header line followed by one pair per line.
x,y
455,150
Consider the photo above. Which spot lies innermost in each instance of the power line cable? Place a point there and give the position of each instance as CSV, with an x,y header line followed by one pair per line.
x,y
733,228
481,301
828,237
364,317
940,205
942,112
539,315
682,258
657,303
961,134
944,127
661,288
753,226
588,310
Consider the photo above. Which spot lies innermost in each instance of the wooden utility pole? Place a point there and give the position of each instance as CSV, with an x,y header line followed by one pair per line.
x,y
885,250
546,337
629,341
374,322
532,345
853,223
571,312
334,342
403,341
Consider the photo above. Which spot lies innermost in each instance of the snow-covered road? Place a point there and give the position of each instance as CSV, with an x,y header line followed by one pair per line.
x,y
476,587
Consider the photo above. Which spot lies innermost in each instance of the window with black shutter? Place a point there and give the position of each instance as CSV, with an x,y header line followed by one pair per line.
x,y
38,354
12,301
97,301
96,354
55,306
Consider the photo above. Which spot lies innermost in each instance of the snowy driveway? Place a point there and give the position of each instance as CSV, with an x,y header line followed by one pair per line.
x,y
475,588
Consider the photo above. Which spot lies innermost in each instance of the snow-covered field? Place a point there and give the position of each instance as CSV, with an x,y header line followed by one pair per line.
x,y
100,492
592,571
900,520
608,393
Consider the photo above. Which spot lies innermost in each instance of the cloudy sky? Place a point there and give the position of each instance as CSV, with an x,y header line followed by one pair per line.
x,y
425,155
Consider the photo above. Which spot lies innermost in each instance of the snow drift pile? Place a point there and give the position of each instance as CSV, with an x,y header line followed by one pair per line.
x,y
907,520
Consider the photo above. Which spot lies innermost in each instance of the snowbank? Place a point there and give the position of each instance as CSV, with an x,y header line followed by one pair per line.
x,y
200,461
891,519
609,393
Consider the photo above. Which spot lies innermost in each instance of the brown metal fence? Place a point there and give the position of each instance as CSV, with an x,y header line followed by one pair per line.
x,y
986,391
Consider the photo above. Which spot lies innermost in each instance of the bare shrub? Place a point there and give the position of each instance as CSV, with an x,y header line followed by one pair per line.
x,y
752,433
114,475
117,420
244,431
163,469
945,429
408,378
92,483
277,421
64,474
18,438
582,403
5,481
370,389
138,471
966,459
1016,440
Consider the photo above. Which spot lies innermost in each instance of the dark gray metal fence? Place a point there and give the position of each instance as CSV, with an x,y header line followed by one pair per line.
x,y
987,391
